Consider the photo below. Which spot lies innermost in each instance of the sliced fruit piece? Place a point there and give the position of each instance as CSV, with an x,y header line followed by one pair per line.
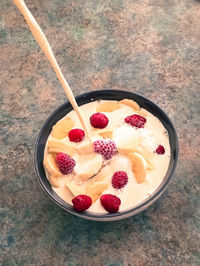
x,y
105,133
51,165
145,153
127,139
143,112
75,189
138,166
56,146
88,167
105,172
84,148
53,180
108,106
62,127
149,165
130,103
95,190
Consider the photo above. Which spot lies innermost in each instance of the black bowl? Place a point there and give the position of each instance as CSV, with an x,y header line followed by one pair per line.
x,y
105,95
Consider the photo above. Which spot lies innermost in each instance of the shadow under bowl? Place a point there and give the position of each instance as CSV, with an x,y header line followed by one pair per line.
x,y
65,108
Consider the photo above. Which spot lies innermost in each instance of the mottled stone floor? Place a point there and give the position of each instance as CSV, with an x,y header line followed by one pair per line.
x,y
151,47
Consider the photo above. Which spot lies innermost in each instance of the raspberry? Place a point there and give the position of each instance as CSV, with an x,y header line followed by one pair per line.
x,y
160,149
106,148
119,179
110,202
136,120
65,163
76,135
99,120
81,203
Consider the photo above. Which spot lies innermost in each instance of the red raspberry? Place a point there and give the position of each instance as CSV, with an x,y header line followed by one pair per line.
x,y
110,202
65,163
135,120
160,149
99,120
76,135
105,147
81,203
119,179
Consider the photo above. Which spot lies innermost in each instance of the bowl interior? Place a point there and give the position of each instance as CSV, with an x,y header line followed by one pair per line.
x,y
105,95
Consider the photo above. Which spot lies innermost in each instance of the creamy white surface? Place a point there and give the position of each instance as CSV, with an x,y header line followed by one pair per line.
x,y
152,134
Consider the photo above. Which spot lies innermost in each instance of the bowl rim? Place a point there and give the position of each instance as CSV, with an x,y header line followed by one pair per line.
x,y
108,216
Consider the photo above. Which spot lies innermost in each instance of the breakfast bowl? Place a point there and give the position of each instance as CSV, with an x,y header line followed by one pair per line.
x,y
85,98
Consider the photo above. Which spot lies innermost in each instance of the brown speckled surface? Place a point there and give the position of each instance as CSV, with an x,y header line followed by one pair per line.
x,y
151,47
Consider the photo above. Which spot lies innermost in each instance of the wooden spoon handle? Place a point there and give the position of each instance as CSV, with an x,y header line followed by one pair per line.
x,y
44,44
42,41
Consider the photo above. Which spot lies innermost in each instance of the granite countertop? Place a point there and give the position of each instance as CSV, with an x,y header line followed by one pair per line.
x,y
150,47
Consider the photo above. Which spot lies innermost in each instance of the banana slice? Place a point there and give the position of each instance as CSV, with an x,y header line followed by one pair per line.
x,y
53,180
88,166
56,146
51,165
138,166
62,127
127,139
85,147
75,189
130,103
96,189
108,106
